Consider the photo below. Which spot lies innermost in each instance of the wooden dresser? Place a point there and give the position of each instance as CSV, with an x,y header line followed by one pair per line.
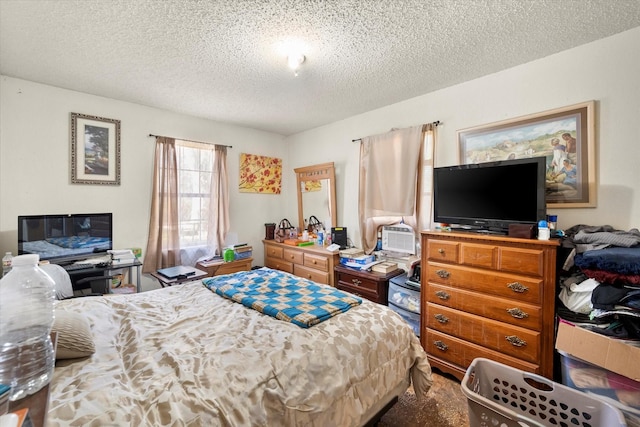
x,y
311,262
486,296
366,284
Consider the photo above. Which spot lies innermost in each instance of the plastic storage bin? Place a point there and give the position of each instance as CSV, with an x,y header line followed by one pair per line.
x,y
404,297
499,395
620,391
412,319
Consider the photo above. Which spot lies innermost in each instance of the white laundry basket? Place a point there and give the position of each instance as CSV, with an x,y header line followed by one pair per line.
x,y
502,396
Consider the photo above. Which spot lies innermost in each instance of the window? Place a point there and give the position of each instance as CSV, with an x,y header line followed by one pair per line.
x,y
195,170
187,220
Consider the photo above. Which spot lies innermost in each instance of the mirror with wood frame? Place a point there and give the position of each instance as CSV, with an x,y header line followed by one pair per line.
x,y
317,194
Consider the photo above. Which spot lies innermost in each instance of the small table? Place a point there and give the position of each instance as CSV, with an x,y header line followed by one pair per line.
x,y
165,281
218,268
77,275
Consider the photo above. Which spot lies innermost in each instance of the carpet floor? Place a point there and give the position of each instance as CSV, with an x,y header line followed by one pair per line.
x,y
446,406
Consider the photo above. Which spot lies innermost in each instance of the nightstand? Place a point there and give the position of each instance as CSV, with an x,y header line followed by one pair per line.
x,y
366,284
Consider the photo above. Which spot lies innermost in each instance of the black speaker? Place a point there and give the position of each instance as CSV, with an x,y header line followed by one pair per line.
x,y
339,236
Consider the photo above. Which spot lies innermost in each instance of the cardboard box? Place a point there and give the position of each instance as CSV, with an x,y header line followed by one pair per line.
x,y
609,353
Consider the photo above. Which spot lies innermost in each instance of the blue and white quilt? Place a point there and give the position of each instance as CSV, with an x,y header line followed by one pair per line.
x,y
283,296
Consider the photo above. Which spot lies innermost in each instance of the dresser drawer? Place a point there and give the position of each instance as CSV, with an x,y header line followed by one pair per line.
x,y
312,262
273,251
512,340
358,282
278,264
443,251
462,353
504,285
318,262
361,292
476,255
522,261
311,274
505,310
293,256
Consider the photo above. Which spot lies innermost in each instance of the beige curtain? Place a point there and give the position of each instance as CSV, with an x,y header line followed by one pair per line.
x,y
164,239
390,184
219,207
425,178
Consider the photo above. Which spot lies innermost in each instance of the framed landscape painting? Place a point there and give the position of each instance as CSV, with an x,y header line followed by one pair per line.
x,y
95,150
564,136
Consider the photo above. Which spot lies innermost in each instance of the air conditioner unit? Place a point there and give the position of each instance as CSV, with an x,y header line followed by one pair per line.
x,y
399,238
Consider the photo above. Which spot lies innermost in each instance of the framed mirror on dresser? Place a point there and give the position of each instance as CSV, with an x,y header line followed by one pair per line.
x,y
316,186
316,197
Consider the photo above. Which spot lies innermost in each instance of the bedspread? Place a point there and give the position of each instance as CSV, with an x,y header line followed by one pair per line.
x,y
283,296
185,356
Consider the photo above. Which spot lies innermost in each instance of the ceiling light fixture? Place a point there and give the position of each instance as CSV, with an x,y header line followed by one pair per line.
x,y
294,62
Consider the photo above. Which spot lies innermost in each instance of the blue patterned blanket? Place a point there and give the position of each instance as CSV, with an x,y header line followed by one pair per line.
x,y
283,295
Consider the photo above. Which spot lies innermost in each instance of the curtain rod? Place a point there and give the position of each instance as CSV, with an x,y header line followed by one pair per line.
x,y
190,140
436,123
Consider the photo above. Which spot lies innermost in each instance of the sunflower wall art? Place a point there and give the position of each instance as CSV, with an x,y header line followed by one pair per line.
x,y
260,174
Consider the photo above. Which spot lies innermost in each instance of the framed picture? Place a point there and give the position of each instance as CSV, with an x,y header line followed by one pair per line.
x,y
95,150
260,174
564,136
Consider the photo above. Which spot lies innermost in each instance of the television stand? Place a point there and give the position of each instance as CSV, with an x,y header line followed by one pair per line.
x,y
105,270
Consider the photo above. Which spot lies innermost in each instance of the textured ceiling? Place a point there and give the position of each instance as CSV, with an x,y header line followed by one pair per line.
x,y
221,59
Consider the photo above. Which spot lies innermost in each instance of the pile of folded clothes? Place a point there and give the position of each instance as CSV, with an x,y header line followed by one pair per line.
x,y
600,289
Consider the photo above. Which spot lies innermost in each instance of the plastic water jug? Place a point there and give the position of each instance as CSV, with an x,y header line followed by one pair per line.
x,y
27,359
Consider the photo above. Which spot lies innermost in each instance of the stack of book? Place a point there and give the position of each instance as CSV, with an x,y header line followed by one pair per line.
x,y
243,251
351,253
122,256
384,267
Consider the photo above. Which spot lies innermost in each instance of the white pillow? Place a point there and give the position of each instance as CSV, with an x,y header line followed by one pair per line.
x,y
74,337
64,288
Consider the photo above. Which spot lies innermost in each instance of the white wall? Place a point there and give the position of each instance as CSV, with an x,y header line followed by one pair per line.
x,y
607,71
34,143
35,163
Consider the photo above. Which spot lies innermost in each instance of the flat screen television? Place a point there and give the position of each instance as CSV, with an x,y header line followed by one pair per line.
x,y
65,238
487,197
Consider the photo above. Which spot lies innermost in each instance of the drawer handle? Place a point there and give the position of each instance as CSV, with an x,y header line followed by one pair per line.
x,y
442,295
441,318
443,274
517,313
515,341
517,287
440,345
356,282
441,251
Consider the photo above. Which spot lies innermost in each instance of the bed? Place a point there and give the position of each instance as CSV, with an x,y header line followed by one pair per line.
x,y
184,355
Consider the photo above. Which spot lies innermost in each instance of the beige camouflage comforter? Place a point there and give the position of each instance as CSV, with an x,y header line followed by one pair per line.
x,y
185,356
